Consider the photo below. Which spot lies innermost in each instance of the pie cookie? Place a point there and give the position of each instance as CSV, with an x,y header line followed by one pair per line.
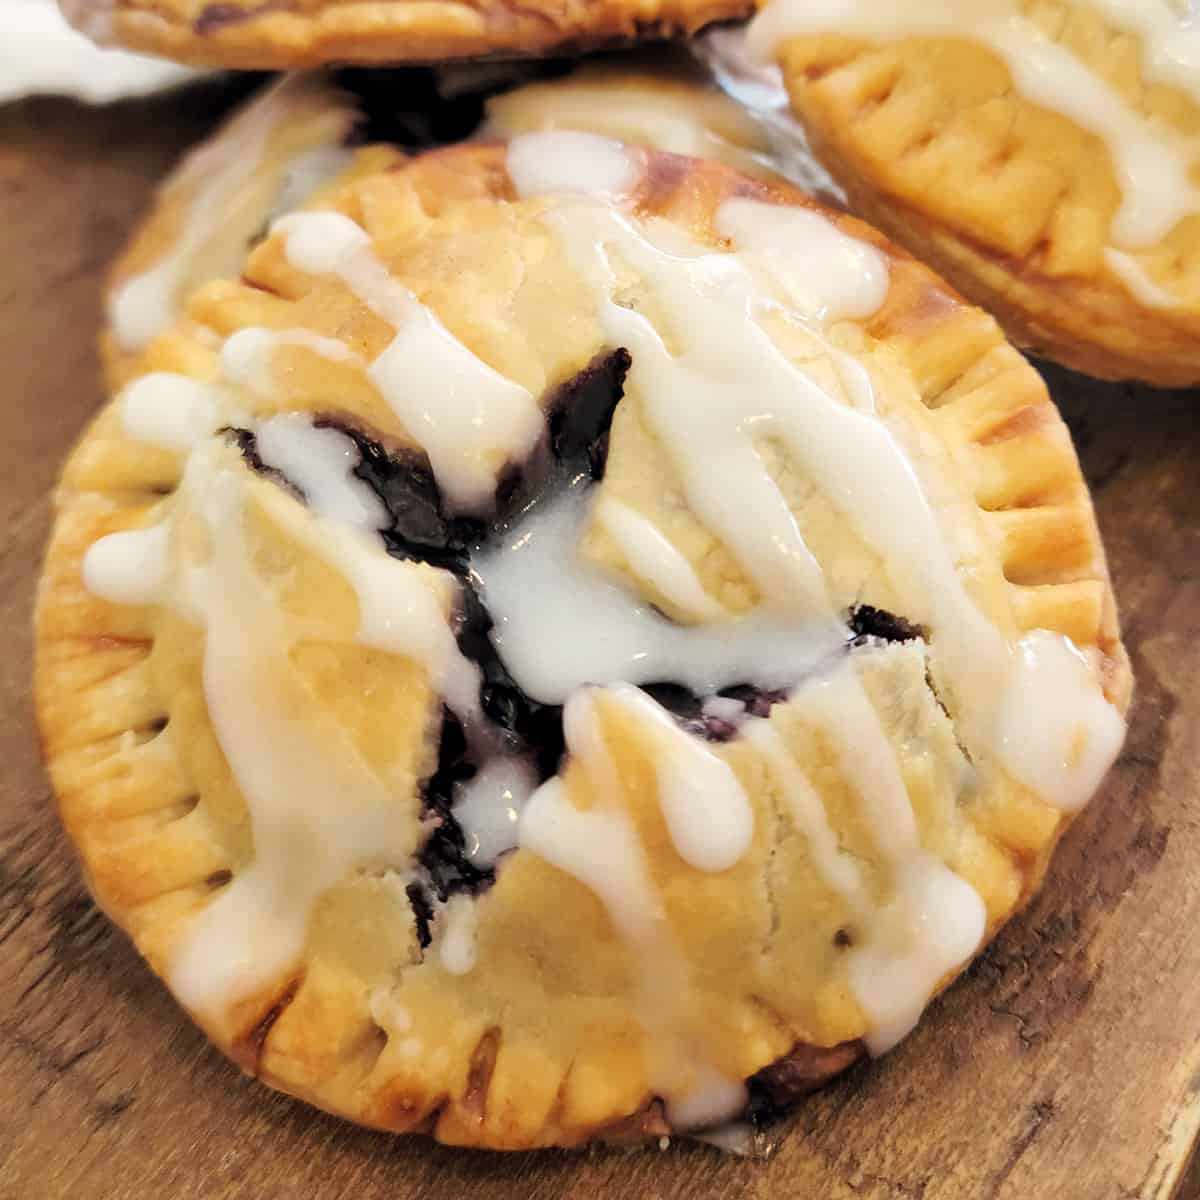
x,y
300,135
267,34
1042,154
574,642
663,100
274,153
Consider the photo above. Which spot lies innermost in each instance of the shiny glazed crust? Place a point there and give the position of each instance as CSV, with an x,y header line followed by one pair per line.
x,y
286,36
1012,203
539,1044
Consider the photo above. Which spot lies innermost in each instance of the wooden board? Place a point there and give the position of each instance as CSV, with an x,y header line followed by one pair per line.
x,y
1066,1065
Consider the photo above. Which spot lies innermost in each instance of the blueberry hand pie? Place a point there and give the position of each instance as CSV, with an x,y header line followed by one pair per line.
x,y
303,134
281,35
571,642
1042,154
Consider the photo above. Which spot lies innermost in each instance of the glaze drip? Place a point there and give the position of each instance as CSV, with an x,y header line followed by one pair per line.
x,y
867,622
1153,161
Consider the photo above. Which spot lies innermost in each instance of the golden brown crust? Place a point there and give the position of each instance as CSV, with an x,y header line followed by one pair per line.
x,y
273,35
1012,203
539,1044
209,211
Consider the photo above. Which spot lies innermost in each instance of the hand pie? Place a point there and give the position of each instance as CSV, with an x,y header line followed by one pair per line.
x,y
572,642
654,99
301,134
268,158
275,36
1041,154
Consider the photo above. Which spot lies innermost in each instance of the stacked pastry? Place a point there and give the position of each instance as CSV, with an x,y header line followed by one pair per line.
x,y
558,635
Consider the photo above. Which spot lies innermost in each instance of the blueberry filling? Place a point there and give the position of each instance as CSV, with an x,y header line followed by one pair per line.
x,y
688,708
405,485
582,412
867,622
579,417
422,911
446,867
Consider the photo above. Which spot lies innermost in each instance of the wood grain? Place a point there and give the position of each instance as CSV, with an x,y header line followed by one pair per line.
x,y
1065,1065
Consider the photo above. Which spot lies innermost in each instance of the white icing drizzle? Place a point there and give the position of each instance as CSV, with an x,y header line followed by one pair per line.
x,y
843,278
170,411
41,54
931,926
1138,281
734,1137
934,920
564,160
149,303
708,403
468,418
456,924
865,758
600,848
321,462
128,567
540,595
839,871
317,811
707,813
246,356
387,1012
488,807
679,116
1153,162
710,1099
655,559
1065,762
729,383
725,379
1169,34
724,708
402,612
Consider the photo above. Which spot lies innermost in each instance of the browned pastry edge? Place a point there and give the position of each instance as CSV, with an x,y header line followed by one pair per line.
x,y
277,35
1089,324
